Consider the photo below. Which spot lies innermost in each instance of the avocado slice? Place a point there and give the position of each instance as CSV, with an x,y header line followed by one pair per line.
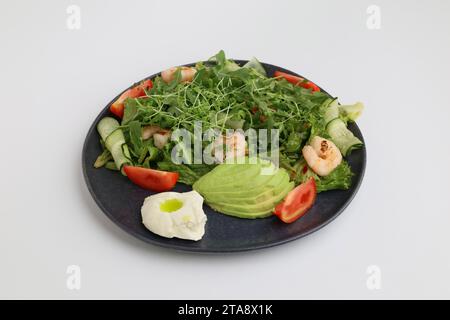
x,y
242,190
249,185
259,210
225,174
249,178
255,194
251,200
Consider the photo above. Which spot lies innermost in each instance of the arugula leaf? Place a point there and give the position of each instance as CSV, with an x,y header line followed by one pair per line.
x,y
295,141
136,144
130,111
188,173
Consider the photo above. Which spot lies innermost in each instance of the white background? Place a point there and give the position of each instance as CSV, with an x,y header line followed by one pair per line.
x,y
55,81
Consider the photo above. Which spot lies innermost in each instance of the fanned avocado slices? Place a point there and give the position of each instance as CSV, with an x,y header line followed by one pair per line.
x,y
248,190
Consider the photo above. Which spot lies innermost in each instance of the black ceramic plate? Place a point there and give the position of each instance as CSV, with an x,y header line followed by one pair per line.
x,y
121,201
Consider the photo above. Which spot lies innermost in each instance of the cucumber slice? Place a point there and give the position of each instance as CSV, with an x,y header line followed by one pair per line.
x,y
332,111
351,112
114,140
106,126
110,165
115,143
336,117
256,65
342,137
103,159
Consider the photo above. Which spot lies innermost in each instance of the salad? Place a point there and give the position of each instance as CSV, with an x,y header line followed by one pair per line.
x,y
140,139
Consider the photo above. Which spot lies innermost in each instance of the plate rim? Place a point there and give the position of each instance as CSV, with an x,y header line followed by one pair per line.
x,y
178,247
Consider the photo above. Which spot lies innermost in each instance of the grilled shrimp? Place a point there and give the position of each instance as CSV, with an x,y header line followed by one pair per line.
x,y
235,147
322,156
161,138
149,131
187,74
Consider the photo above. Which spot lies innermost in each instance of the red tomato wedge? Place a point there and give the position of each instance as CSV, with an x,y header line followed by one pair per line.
x,y
298,81
151,179
138,91
297,202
